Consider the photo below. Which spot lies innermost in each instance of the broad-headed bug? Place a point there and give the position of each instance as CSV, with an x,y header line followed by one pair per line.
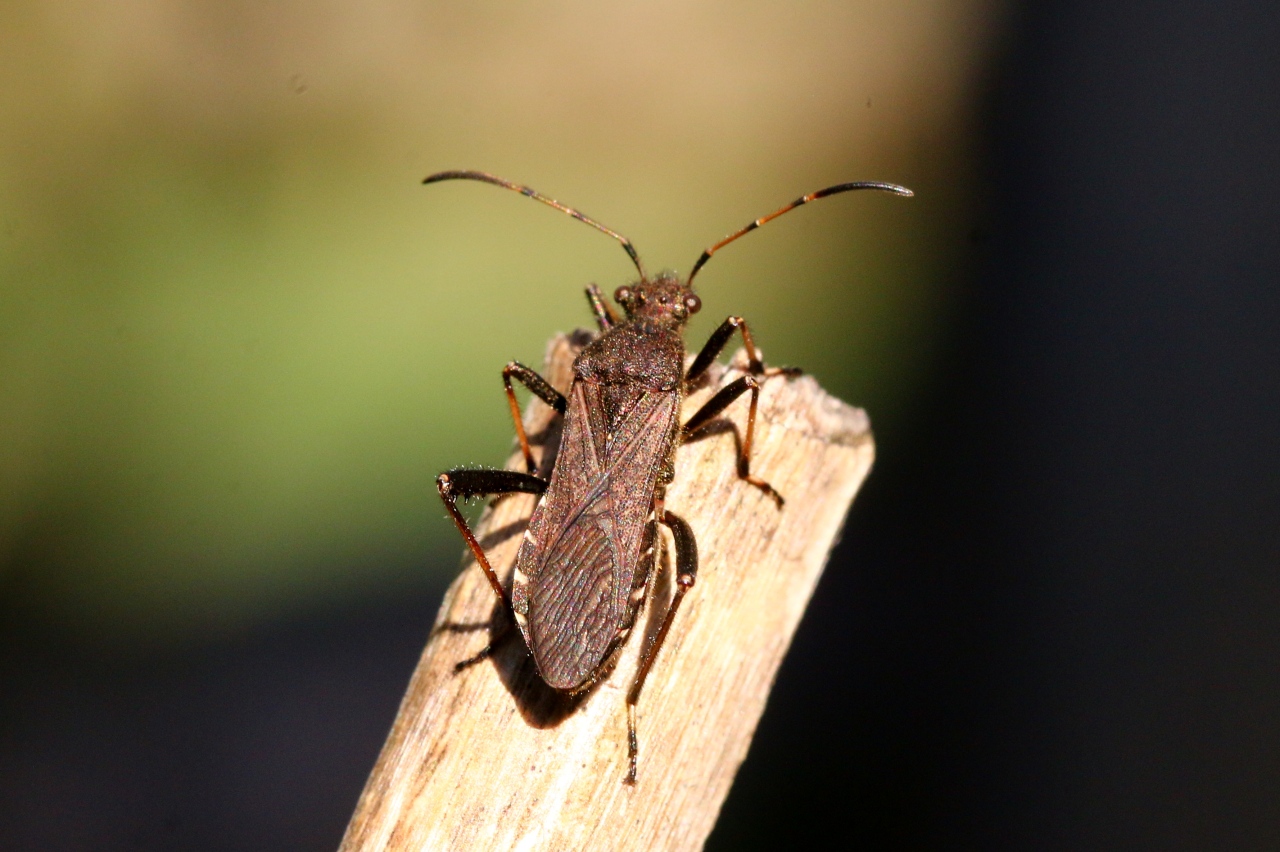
x,y
583,568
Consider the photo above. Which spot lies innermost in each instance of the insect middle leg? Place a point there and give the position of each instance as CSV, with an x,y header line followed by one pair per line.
x,y
464,483
686,575
542,389
719,403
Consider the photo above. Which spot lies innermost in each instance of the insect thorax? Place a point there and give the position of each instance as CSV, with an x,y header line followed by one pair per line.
x,y
634,353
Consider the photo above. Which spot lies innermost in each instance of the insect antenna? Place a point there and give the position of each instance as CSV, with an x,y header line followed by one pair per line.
x,y
813,196
551,202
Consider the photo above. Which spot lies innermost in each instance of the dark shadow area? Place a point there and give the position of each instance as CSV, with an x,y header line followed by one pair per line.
x,y
540,706
259,742
1053,620
493,538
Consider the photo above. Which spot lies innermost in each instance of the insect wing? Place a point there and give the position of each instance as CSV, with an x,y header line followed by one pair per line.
x,y
582,558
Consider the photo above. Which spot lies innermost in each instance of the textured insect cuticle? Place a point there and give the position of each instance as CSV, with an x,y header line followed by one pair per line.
x,y
572,639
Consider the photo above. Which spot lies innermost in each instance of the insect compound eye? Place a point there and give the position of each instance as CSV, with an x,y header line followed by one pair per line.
x,y
622,295
693,303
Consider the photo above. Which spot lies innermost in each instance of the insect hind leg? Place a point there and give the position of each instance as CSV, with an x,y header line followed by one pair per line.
x,y
686,575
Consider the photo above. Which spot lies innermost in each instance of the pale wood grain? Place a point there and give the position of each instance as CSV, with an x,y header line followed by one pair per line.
x,y
491,759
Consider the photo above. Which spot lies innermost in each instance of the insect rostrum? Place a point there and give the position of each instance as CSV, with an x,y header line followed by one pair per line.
x,y
583,568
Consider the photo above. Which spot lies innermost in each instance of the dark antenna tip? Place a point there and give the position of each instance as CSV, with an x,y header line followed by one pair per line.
x,y
485,177
805,199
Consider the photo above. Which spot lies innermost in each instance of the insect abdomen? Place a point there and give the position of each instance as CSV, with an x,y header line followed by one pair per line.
x,y
582,556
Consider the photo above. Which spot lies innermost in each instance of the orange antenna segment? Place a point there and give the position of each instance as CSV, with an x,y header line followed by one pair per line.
x,y
813,196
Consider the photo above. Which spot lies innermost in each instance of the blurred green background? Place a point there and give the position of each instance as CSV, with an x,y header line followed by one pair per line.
x,y
238,338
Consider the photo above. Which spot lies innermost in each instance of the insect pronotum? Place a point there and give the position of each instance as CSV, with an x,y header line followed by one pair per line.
x,y
583,568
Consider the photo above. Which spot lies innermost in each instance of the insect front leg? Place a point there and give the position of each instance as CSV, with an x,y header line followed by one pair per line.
x,y
686,575
719,403
605,317
715,343
542,389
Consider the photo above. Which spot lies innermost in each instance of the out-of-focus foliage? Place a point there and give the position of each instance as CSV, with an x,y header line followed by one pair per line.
x,y
238,339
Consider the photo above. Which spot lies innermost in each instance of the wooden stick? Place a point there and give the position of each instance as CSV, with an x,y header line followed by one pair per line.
x,y
490,758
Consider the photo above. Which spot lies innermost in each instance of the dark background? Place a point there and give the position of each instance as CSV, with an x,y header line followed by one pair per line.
x,y
1052,621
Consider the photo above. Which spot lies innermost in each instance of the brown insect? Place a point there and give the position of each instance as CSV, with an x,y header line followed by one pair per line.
x,y
583,568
